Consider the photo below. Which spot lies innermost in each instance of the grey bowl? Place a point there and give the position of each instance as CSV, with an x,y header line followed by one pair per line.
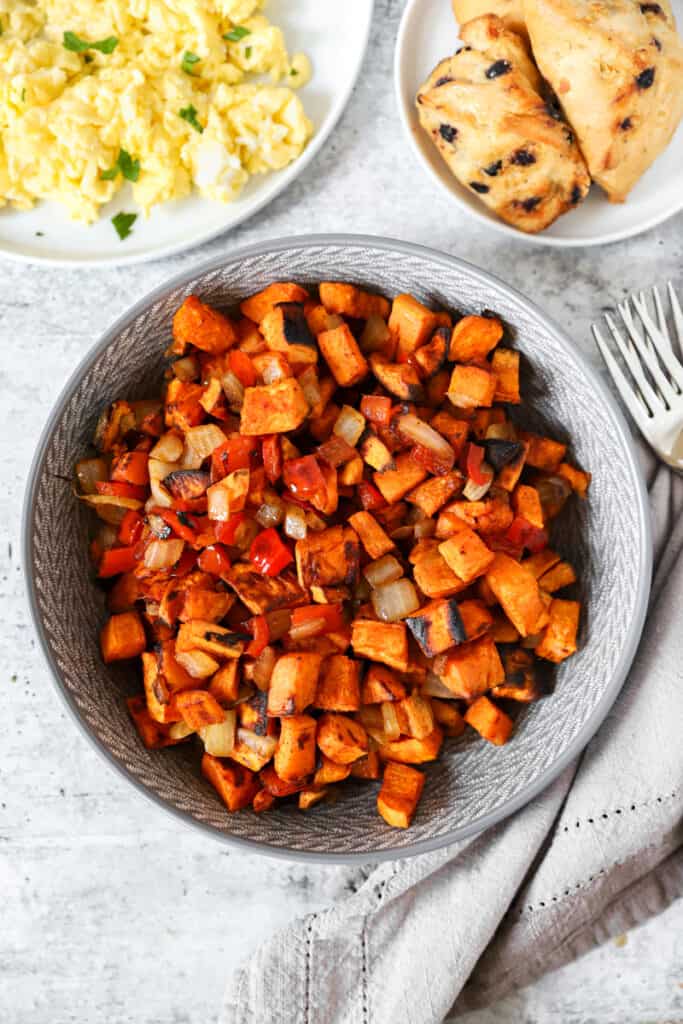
x,y
473,785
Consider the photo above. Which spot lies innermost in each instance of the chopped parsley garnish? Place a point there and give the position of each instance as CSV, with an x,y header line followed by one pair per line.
x,y
189,114
188,62
247,52
125,165
237,33
123,222
77,45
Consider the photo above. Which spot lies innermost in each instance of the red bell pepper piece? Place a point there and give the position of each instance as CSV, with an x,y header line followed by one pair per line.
x,y
197,506
120,490
330,613
303,477
225,532
214,560
131,468
181,524
185,563
272,457
243,368
260,634
522,532
268,553
118,560
377,409
234,454
131,528
474,457
370,497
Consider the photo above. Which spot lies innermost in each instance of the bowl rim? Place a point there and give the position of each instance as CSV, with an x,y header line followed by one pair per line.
x,y
615,684
478,212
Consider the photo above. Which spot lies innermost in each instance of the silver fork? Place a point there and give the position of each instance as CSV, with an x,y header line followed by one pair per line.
x,y
652,387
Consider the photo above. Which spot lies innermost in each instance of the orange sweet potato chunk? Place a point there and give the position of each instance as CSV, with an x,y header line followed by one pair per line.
x,y
197,324
400,793
122,637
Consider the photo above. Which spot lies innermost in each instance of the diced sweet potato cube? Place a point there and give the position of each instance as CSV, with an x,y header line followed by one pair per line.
x,y
328,558
375,453
177,678
373,538
412,751
339,684
286,329
124,593
209,605
197,324
502,630
153,734
509,475
386,642
576,478
183,407
398,798
490,515
454,430
541,562
526,503
393,484
236,785
263,801
198,635
273,408
351,473
199,708
434,578
368,767
348,300
505,365
466,554
437,626
431,357
471,386
431,495
559,637
447,717
310,797
520,680
473,668
225,683
342,355
561,575
473,337
262,594
280,787
489,721
544,453
259,305
415,716
381,684
122,637
160,702
516,588
341,738
475,617
296,750
411,323
399,379
293,683
330,771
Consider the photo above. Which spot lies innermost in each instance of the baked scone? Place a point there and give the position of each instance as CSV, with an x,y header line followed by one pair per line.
x,y
483,111
617,69
510,12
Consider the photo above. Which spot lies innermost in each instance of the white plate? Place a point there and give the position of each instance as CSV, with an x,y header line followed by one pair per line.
x,y
333,35
428,33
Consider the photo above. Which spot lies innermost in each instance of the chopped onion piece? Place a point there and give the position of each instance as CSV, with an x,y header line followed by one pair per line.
x,y
200,442
349,424
186,368
394,601
295,521
168,448
159,527
271,512
433,687
375,334
219,738
501,432
314,521
233,389
383,570
228,496
158,470
263,667
308,628
179,731
162,554
89,472
475,492
199,664
264,746
245,534
390,723
419,432
109,507
310,386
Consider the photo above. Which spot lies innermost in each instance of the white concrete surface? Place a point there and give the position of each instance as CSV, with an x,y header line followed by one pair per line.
x,y
112,913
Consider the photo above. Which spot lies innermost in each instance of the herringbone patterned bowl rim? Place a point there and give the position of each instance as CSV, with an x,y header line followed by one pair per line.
x,y
473,785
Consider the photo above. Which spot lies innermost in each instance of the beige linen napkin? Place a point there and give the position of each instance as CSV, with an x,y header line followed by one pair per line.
x,y
598,852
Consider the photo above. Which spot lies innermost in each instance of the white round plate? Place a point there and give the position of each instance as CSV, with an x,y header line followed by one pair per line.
x,y
335,38
428,33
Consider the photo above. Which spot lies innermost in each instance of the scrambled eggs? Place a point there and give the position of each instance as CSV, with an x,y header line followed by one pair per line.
x,y
155,92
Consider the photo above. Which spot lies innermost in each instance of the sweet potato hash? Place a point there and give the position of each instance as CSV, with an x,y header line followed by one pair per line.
x,y
328,542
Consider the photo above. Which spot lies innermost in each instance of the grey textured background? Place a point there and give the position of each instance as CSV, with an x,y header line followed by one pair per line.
x,y
112,912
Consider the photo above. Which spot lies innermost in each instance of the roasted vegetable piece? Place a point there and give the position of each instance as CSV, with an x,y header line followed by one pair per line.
x,y
122,637
577,479
210,637
437,626
516,588
432,357
447,717
433,494
328,558
160,703
505,365
258,306
473,337
399,796
368,767
339,684
342,355
386,642
466,554
394,484
412,751
236,785
200,325
473,668
199,708
434,577
411,323
489,721
262,594
543,453
527,504
310,797
225,683
415,716
293,683
399,379
351,301
341,738
471,387
561,575
381,684
520,680
273,408
153,734
558,640
373,538
330,771
296,749
286,329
